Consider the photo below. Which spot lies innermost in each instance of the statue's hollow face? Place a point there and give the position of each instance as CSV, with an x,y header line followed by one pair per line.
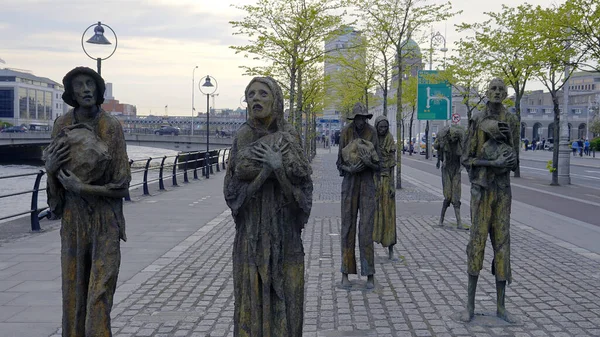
x,y
360,121
84,90
260,99
496,92
382,128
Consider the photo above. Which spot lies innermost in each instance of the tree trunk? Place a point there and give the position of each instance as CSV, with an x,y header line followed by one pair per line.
x,y
556,140
518,96
298,113
410,127
398,126
426,140
293,71
385,85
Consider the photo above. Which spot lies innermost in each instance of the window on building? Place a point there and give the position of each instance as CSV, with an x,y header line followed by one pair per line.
x,y
547,111
23,101
48,105
577,111
6,102
532,110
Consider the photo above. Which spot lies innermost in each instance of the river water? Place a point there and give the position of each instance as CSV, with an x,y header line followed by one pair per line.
x,y
22,203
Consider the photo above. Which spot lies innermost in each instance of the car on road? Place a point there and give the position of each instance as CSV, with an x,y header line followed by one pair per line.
x,y
14,129
167,130
549,145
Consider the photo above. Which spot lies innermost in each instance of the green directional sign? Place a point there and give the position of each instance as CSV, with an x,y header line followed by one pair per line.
x,y
434,97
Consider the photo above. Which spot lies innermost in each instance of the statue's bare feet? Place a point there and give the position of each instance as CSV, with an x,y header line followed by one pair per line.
x,y
370,282
466,316
505,315
345,281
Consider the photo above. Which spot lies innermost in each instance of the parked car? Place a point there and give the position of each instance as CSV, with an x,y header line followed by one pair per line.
x,y
14,129
549,145
167,130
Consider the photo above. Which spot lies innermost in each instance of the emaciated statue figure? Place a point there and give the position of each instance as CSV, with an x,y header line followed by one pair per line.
x,y
449,144
88,176
490,155
384,230
269,190
358,163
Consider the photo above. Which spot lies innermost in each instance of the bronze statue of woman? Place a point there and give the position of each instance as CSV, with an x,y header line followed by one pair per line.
x,y
384,229
269,190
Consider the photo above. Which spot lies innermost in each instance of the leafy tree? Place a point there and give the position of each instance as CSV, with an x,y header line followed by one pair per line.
x,y
288,35
595,126
468,77
554,58
399,20
503,45
409,97
582,18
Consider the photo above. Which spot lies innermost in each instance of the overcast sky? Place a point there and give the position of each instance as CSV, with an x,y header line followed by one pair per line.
x,y
159,44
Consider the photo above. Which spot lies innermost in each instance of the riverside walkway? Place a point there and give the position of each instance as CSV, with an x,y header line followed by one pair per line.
x,y
176,272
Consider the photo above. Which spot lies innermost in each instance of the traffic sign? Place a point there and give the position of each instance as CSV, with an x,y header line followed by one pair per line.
x,y
455,118
434,97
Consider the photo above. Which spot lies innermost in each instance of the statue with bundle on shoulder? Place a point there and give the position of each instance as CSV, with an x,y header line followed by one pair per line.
x,y
449,145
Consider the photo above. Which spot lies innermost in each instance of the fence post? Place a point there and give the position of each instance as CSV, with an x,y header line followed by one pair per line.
x,y
210,161
196,154
203,161
185,164
146,191
128,197
161,184
218,159
35,221
175,170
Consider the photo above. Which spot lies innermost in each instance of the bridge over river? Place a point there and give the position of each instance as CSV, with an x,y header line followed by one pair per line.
x,y
29,145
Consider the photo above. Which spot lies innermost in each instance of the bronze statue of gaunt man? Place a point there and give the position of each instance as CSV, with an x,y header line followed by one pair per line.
x,y
489,157
88,176
268,187
449,144
358,163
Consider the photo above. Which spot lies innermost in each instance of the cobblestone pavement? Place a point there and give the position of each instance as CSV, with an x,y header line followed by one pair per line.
x,y
555,290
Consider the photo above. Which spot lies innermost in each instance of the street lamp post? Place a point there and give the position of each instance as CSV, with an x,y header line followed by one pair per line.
x,y
100,39
193,109
437,37
206,89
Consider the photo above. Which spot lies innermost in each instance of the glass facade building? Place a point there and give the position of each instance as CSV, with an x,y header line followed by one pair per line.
x,y
26,99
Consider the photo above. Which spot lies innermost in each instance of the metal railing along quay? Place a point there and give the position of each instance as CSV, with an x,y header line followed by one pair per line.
x,y
177,165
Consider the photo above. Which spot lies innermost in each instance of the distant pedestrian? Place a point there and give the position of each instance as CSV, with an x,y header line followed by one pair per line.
x,y
575,147
580,145
586,147
533,145
526,144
